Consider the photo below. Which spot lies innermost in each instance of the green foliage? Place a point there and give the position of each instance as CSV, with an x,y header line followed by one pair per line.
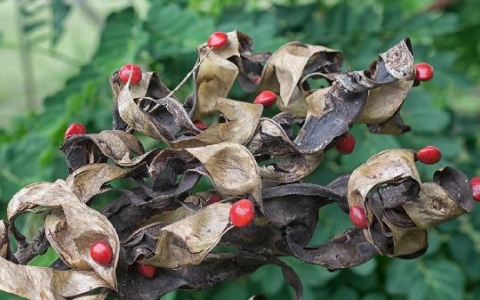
x,y
165,41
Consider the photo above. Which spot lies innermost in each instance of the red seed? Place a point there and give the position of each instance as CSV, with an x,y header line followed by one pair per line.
x,y
358,217
429,155
266,98
213,199
423,72
124,73
200,125
75,128
217,40
101,253
346,143
242,213
475,183
146,270
256,79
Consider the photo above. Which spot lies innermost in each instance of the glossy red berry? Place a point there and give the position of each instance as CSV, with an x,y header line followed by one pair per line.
x,y
214,199
75,128
423,72
242,213
358,217
126,70
217,40
346,143
146,270
200,125
266,98
429,155
475,183
101,253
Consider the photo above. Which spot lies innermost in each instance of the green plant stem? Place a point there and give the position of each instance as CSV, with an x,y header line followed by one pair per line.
x,y
45,52
26,62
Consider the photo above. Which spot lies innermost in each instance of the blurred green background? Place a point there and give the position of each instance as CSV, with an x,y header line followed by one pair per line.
x,y
56,57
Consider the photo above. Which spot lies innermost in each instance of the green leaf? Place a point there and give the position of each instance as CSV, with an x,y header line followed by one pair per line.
x,y
421,279
270,279
374,296
366,268
463,250
121,41
60,11
175,30
344,292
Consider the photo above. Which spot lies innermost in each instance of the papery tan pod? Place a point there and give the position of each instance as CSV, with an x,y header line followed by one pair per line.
x,y
138,119
149,86
386,99
85,182
291,168
72,227
318,104
171,216
93,297
285,68
238,42
232,169
47,284
213,81
406,241
434,206
4,242
187,241
44,283
386,166
241,121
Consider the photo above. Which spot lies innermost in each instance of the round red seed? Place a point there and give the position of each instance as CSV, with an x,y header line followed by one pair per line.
x,y
200,125
475,183
346,143
213,199
101,253
146,270
242,213
126,70
75,128
429,155
217,40
266,98
358,217
423,72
